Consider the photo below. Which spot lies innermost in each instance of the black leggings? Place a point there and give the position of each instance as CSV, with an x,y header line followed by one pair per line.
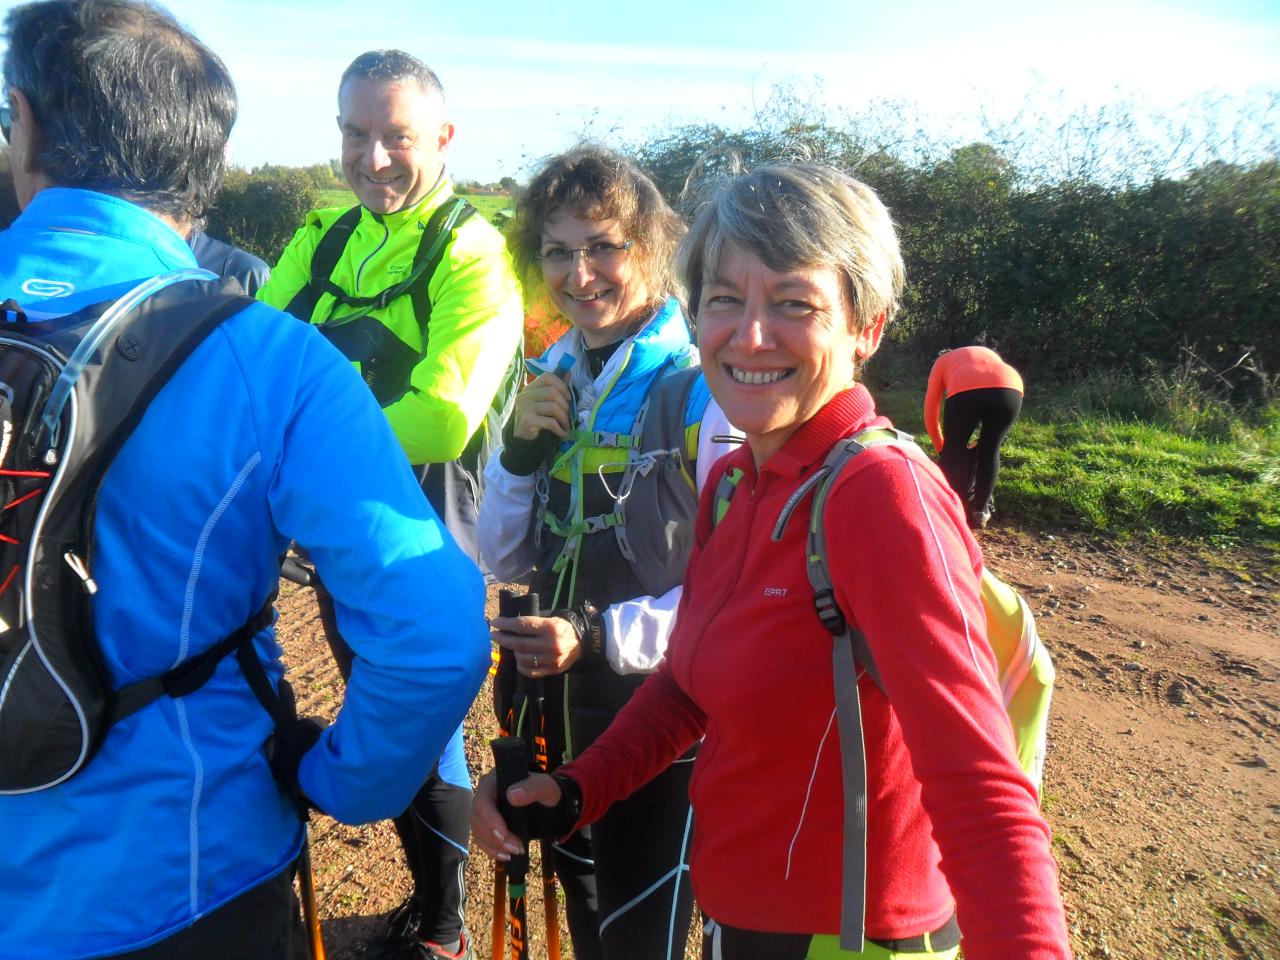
x,y
626,878
972,472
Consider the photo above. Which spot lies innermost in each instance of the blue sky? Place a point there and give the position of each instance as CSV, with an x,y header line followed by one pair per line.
x,y
525,79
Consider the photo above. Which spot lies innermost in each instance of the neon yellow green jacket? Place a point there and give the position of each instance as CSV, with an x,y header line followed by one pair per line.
x,y
476,316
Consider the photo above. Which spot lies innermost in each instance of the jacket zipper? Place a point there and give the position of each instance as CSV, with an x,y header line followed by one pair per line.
x,y
386,235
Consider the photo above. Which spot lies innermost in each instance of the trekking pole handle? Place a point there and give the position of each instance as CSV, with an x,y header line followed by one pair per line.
x,y
511,759
296,572
512,604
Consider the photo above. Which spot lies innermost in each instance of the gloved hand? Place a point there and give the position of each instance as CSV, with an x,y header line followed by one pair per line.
x,y
521,457
285,750
552,823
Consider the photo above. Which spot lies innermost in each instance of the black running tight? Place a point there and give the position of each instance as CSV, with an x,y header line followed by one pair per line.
x,y
626,885
971,472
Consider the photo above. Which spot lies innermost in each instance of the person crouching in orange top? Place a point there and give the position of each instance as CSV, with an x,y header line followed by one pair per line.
x,y
983,393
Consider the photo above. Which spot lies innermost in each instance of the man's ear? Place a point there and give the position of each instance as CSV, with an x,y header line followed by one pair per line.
x,y
446,135
25,142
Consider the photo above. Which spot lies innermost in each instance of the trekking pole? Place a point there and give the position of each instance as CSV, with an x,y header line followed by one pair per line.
x,y
498,937
511,758
297,572
512,605
550,905
285,715
307,886
506,715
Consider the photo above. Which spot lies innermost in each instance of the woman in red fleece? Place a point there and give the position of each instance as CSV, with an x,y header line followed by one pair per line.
x,y
793,272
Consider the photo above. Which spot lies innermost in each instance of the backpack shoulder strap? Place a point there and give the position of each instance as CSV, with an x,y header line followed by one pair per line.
x,y
323,259
435,234
849,650
824,600
439,231
673,400
161,344
130,363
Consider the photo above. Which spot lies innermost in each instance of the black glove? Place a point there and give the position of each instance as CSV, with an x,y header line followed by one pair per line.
x,y
552,823
522,457
285,750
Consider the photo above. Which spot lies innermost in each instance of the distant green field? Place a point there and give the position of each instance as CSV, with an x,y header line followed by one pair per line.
x,y
488,207
337,198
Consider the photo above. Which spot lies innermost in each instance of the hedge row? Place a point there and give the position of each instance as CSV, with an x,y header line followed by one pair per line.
x,y
1067,275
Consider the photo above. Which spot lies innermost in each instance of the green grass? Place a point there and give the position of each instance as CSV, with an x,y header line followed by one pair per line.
x,y
338,197
1065,469
488,207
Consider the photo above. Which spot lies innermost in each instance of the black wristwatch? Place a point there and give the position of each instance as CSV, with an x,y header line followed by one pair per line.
x,y
588,625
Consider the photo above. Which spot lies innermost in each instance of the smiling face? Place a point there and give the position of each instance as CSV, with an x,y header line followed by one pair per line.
x,y
776,346
603,295
394,139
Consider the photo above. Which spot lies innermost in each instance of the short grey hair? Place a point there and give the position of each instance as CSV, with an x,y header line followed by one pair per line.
x,y
392,66
801,215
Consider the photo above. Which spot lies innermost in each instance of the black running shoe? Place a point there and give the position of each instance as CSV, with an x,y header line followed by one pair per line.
x,y
412,948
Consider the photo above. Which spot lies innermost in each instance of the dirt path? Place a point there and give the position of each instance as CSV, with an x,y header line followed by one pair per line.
x,y
1163,778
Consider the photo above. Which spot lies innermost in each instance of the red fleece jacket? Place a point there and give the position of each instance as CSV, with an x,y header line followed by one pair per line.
x,y
749,668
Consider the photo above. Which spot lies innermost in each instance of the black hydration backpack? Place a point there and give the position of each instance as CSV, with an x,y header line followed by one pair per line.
x,y
72,391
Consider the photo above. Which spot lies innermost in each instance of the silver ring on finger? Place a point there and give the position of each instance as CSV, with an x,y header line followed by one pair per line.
x,y
535,661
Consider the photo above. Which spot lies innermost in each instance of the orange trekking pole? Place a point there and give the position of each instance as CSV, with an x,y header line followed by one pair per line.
x,y
310,911
550,905
511,760
499,934
511,604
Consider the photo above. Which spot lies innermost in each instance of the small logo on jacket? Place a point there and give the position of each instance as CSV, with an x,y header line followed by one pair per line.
x,y
775,591
47,288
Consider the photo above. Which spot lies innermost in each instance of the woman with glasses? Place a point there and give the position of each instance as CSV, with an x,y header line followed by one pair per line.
x,y
592,502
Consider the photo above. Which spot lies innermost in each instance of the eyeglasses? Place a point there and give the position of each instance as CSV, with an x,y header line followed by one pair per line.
x,y
6,121
598,254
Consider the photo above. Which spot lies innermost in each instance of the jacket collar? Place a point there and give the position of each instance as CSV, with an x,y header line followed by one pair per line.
x,y
664,334
420,211
844,414
85,211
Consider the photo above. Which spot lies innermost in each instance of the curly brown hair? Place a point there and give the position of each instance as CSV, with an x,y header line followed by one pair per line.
x,y
595,183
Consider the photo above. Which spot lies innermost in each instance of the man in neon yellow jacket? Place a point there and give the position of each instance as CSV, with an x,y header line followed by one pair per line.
x,y
418,292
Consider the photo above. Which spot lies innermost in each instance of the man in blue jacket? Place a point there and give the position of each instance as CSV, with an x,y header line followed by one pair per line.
x,y
218,256
175,840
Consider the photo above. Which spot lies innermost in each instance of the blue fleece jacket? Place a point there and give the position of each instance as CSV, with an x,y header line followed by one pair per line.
x,y
264,435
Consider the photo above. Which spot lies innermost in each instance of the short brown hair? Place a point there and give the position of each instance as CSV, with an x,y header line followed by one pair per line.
x,y
595,183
